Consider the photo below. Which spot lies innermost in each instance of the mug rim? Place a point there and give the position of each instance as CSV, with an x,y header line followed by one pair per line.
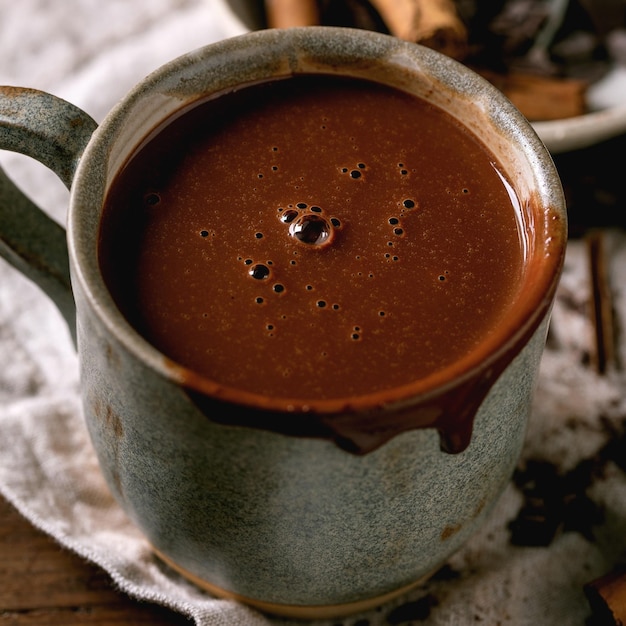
x,y
175,81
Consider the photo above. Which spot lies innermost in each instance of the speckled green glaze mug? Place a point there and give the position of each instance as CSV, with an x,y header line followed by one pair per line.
x,y
294,523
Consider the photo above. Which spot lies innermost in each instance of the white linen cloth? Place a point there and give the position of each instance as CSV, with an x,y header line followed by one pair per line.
x,y
90,53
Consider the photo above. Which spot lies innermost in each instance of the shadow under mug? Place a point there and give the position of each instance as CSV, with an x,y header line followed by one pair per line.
x,y
294,525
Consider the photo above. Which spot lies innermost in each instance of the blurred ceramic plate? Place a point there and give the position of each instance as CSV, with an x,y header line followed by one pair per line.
x,y
606,99
607,102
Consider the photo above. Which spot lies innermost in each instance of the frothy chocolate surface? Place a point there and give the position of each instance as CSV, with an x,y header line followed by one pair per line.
x,y
312,238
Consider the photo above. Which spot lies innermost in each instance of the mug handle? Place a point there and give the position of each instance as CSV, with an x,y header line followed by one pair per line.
x,y
55,133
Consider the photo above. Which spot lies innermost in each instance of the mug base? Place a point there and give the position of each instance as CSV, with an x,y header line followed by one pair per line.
x,y
297,611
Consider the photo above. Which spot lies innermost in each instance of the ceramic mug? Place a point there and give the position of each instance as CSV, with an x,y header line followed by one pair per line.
x,y
295,525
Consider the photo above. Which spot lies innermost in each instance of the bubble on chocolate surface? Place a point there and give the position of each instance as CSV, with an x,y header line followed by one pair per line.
x,y
402,169
289,216
354,172
152,198
259,271
311,229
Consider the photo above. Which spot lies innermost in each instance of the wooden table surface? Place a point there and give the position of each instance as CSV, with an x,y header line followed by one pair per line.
x,y
43,584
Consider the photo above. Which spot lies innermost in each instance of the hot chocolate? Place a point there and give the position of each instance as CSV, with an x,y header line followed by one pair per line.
x,y
314,238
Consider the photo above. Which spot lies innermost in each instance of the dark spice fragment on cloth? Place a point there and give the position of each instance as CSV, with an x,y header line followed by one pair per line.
x,y
554,502
559,502
415,610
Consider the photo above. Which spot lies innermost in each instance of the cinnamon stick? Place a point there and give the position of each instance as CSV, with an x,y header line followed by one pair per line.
x,y
432,23
601,304
541,97
288,13
607,598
